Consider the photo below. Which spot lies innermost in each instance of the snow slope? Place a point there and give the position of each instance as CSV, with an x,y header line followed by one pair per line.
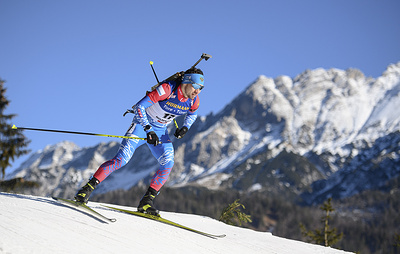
x,y
31,224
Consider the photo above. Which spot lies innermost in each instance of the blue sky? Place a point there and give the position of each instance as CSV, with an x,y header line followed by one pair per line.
x,y
78,65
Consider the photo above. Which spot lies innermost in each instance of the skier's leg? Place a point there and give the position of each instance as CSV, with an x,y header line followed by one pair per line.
x,y
124,154
164,153
165,157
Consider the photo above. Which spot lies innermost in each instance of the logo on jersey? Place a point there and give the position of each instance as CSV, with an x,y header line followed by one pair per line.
x,y
173,105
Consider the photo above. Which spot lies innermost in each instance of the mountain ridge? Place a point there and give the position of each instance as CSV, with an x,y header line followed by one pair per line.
x,y
326,120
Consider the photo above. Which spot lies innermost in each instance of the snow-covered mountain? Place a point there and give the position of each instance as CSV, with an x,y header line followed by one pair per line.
x,y
41,225
323,133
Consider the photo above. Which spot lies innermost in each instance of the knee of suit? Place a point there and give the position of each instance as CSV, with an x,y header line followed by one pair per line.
x,y
166,157
168,164
108,167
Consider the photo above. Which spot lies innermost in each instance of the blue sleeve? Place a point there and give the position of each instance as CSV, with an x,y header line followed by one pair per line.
x,y
140,111
189,119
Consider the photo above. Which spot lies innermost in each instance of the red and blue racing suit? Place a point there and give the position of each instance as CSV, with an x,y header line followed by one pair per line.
x,y
157,109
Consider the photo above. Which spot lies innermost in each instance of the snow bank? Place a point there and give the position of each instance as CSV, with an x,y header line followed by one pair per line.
x,y
32,224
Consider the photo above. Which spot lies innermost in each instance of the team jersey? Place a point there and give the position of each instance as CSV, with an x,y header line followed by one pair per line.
x,y
160,106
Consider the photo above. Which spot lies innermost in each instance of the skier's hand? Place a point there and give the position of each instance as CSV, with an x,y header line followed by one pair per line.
x,y
152,138
179,133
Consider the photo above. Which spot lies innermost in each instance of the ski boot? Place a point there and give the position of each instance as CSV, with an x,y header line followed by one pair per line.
x,y
146,204
84,193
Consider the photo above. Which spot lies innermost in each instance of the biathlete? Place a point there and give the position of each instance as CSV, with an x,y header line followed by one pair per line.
x,y
152,114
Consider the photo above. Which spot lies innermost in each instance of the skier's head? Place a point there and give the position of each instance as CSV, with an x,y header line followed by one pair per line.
x,y
194,70
192,83
194,76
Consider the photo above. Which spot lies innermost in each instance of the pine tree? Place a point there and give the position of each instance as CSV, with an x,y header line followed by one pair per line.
x,y
12,142
232,214
325,236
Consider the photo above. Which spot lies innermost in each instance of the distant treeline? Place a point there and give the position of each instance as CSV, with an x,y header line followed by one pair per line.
x,y
369,221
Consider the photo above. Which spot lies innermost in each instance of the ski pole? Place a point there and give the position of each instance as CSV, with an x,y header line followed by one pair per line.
x,y
75,132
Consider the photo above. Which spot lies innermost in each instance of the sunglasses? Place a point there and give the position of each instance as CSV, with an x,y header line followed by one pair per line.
x,y
197,86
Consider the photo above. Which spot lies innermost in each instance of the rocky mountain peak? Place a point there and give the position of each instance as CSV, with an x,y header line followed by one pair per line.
x,y
298,133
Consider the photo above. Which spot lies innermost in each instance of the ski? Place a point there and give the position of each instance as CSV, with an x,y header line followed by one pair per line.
x,y
160,219
84,208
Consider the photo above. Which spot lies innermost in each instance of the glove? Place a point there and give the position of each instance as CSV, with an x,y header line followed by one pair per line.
x,y
152,138
179,133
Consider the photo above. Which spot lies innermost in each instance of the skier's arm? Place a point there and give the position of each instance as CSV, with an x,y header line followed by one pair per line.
x,y
190,118
161,93
140,111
